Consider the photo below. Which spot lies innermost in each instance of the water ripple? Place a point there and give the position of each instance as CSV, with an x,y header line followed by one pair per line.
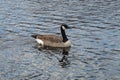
x,y
94,54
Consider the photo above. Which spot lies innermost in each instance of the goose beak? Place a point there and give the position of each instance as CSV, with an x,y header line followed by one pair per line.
x,y
69,27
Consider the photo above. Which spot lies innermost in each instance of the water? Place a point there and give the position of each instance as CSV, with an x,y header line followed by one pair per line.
x,y
95,36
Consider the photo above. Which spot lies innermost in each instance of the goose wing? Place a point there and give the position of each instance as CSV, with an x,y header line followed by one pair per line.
x,y
51,38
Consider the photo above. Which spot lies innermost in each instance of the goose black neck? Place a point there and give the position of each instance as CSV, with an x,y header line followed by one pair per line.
x,y
64,35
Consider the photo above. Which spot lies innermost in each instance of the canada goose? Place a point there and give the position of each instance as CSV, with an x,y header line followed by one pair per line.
x,y
54,40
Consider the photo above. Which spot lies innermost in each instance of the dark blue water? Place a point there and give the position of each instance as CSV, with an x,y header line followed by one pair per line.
x,y
95,37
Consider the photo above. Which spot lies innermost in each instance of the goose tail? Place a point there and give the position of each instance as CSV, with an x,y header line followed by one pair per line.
x,y
34,36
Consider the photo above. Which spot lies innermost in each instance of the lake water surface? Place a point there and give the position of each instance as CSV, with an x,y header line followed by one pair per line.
x,y
95,37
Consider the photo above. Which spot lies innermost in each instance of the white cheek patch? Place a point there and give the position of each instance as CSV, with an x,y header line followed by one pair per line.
x,y
63,27
39,41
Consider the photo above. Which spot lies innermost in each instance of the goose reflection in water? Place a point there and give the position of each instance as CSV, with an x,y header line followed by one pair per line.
x,y
64,62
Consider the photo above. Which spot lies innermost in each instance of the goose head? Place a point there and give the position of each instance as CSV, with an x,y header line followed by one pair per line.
x,y
64,26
